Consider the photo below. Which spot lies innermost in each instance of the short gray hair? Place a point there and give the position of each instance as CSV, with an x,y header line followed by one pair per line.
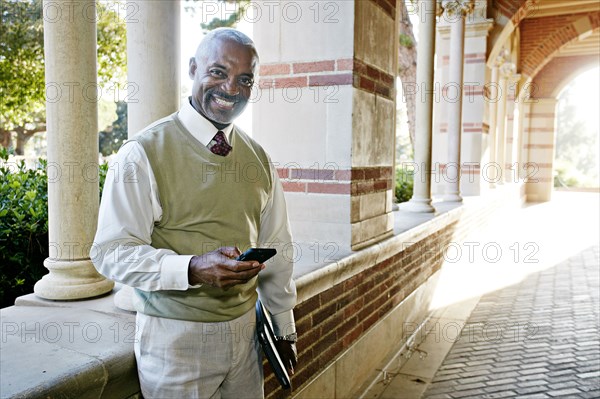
x,y
224,34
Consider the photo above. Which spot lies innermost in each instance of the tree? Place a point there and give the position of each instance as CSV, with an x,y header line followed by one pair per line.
x,y
407,64
113,136
576,144
229,21
22,81
22,99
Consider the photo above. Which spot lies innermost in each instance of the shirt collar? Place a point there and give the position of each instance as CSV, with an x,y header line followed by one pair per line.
x,y
200,127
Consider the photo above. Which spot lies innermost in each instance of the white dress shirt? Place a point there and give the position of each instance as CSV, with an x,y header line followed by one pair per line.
x,y
131,206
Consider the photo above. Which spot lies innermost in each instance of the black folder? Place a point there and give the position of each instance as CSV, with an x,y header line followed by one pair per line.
x,y
266,337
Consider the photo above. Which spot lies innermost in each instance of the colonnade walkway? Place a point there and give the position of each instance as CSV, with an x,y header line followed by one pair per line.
x,y
518,319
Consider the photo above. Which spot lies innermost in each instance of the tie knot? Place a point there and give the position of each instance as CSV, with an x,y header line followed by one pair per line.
x,y
218,145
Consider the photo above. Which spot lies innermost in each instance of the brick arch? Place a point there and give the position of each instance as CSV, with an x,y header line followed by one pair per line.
x,y
557,73
541,38
516,10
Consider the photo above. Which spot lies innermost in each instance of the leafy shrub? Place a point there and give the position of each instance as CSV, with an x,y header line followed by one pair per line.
x,y
23,226
404,184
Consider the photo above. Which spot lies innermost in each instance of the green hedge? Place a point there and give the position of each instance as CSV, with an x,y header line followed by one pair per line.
x,y
23,226
404,184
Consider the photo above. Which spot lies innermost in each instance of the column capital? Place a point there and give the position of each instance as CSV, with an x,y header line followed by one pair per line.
x,y
455,8
514,77
502,57
507,70
439,8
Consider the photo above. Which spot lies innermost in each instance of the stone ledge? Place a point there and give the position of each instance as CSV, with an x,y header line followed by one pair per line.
x,y
318,280
66,352
103,304
84,349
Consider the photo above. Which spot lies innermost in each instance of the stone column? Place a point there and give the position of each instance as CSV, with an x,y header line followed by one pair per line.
x,y
421,199
153,66
493,113
324,110
496,96
153,72
506,71
72,133
523,139
474,142
541,133
455,12
511,166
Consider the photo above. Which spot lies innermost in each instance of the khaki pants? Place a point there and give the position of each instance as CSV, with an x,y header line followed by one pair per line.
x,y
189,360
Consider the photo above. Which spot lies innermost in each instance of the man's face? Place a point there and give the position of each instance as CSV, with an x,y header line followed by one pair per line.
x,y
223,79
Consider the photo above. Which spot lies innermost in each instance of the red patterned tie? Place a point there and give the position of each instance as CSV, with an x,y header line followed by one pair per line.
x,y
218,145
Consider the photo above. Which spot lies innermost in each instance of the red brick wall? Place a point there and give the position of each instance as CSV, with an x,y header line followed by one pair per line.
x,y
331,321
542,37
556,71
516,10
340,72
355,181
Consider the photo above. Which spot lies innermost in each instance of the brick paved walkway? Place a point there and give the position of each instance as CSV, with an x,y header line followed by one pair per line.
x,y
539,338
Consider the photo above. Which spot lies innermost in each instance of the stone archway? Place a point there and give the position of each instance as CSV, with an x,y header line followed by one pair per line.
x,y
566,62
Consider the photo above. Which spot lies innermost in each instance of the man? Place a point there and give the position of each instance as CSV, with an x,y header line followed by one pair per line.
x,y
192,191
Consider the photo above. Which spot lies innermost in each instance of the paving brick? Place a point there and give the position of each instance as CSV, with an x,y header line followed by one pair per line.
x,y
474,373
473,393
453,366
530,390
532,383
439,396
507,368
498,388
593,374
562,366
471,380
532,377
508,374
558,357
503,394
502,381
464,387
564,392
590,395
534,371
533,365
563,385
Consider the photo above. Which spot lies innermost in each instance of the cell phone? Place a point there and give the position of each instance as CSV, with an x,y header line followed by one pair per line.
x,y
261,255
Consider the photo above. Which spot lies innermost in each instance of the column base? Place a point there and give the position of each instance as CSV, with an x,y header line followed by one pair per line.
x,y
417,206
71,280
124,298
452,198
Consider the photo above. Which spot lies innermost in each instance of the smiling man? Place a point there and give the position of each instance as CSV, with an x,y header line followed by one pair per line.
x,y
176,210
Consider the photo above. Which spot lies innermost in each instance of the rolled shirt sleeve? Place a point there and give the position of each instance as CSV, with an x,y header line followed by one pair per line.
x,y
128,211
276,287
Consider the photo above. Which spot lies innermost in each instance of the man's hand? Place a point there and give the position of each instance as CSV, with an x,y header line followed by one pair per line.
x,y
288,354
220,269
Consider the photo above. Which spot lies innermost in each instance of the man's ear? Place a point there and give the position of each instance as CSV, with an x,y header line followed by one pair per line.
x,y
192,69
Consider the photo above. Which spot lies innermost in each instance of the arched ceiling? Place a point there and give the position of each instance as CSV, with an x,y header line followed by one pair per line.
x,y
548,8
588,43
557,28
